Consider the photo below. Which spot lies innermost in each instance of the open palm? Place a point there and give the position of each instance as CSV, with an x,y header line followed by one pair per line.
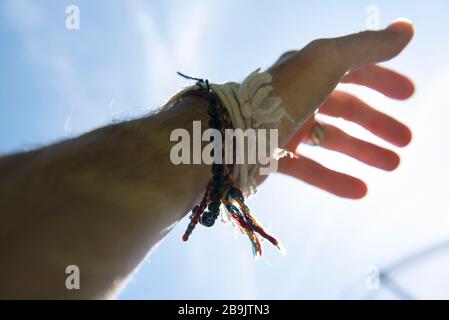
x,y
364,51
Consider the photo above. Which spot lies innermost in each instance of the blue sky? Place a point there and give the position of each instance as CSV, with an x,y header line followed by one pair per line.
x,y
122,63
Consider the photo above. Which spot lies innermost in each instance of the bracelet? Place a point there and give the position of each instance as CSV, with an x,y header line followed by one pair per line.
x,y
222,189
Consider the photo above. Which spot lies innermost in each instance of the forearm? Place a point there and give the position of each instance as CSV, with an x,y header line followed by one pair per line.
x,y
114,194
103,200
100,202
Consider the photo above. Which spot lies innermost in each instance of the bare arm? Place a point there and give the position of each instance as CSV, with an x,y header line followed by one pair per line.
x,y
102,200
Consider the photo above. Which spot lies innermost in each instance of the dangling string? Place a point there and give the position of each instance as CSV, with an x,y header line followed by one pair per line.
x,y
240,213
197,211
199,81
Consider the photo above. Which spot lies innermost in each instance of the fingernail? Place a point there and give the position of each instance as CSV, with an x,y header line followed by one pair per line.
x,y
401,25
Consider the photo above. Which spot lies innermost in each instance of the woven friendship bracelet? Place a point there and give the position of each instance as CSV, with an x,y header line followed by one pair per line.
x,y
232,106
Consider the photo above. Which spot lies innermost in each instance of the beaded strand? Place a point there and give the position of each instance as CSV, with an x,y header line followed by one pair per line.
x,y
220,120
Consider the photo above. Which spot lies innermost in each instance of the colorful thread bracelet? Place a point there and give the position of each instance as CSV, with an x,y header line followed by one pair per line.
x,y
220,189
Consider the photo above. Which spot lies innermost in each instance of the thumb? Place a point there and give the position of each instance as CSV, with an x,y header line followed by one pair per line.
x,y
305,79
369,47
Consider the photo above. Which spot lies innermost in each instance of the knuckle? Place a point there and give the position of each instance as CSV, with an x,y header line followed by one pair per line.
x,y
287,55
325,54
323,47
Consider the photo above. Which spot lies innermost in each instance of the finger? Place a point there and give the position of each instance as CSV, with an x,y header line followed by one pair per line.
x,y
326,179
300,135
383,80
375,156
374,46
304,80
344,105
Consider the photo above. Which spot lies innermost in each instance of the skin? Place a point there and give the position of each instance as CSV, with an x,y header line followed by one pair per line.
x,y
103,200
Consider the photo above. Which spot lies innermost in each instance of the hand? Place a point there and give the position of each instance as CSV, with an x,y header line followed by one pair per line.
x,y
318,68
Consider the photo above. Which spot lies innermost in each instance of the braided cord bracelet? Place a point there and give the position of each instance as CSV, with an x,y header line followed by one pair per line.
x,y
222,188
237,107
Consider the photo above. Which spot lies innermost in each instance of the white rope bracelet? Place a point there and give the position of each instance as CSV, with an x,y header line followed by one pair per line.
x,y
249,106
